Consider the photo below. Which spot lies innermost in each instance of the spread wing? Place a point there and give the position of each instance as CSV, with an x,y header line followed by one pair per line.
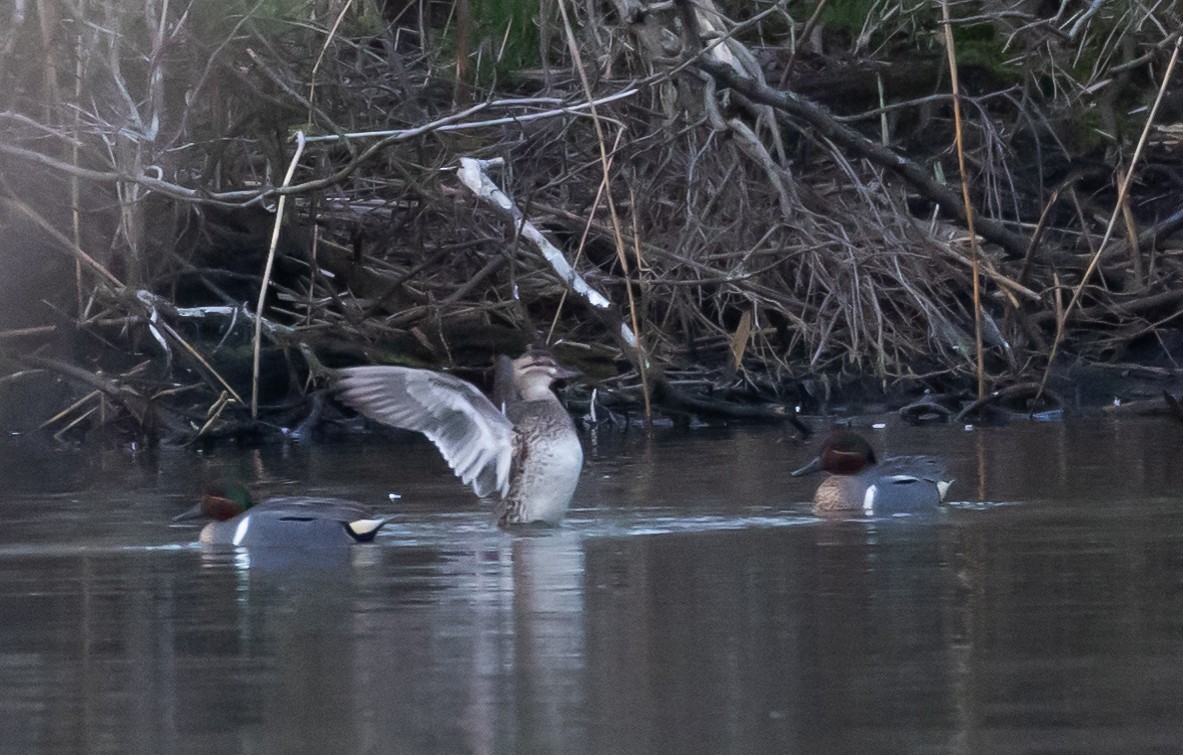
x,y
474,437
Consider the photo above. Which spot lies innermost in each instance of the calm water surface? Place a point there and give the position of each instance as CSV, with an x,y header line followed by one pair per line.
x,y
690,603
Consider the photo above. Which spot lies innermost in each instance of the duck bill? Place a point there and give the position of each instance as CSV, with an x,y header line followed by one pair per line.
x,y
564,373
193,513
810,468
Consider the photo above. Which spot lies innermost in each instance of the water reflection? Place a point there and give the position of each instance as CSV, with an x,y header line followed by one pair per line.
x,y
690,607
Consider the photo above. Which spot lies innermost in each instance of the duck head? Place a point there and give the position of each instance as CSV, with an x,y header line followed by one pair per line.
x,y
219,502
843,453
535,371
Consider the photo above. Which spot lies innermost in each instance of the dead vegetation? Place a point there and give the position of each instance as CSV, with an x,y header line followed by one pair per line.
x,y
765,197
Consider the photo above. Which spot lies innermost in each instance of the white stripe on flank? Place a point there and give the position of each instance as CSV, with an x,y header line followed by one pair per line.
x,y
869,499
240,530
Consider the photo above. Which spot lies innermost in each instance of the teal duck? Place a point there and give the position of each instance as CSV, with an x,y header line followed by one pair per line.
x,y
525,448
295,521
858,482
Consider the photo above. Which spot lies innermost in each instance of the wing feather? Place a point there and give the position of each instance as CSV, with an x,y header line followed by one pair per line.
x,y
472,435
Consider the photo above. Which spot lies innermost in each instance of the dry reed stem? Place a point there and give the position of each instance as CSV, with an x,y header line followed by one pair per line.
x,y
965,198
634,346
644,366
602,188
70,409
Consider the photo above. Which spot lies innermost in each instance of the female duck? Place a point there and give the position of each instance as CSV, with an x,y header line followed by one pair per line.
x,y
526,448
857,482
297,522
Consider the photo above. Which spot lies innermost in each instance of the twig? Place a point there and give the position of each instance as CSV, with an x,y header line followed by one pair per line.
x,y
1009,393
266,282
140,407
70,246
152,302
450,123
1122,191
252,197
816,116
806,31
320,58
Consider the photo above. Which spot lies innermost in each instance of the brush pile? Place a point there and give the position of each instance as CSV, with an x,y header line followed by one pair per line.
x,y
709,205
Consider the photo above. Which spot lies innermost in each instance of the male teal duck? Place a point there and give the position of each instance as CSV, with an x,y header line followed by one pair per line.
x,y
526,449
858,482
294,522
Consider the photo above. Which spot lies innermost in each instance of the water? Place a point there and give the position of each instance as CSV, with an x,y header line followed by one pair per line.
x,y
690,603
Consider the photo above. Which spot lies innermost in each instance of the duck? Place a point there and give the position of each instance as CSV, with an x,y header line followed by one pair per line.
x,y
859,482
524,447
287,521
